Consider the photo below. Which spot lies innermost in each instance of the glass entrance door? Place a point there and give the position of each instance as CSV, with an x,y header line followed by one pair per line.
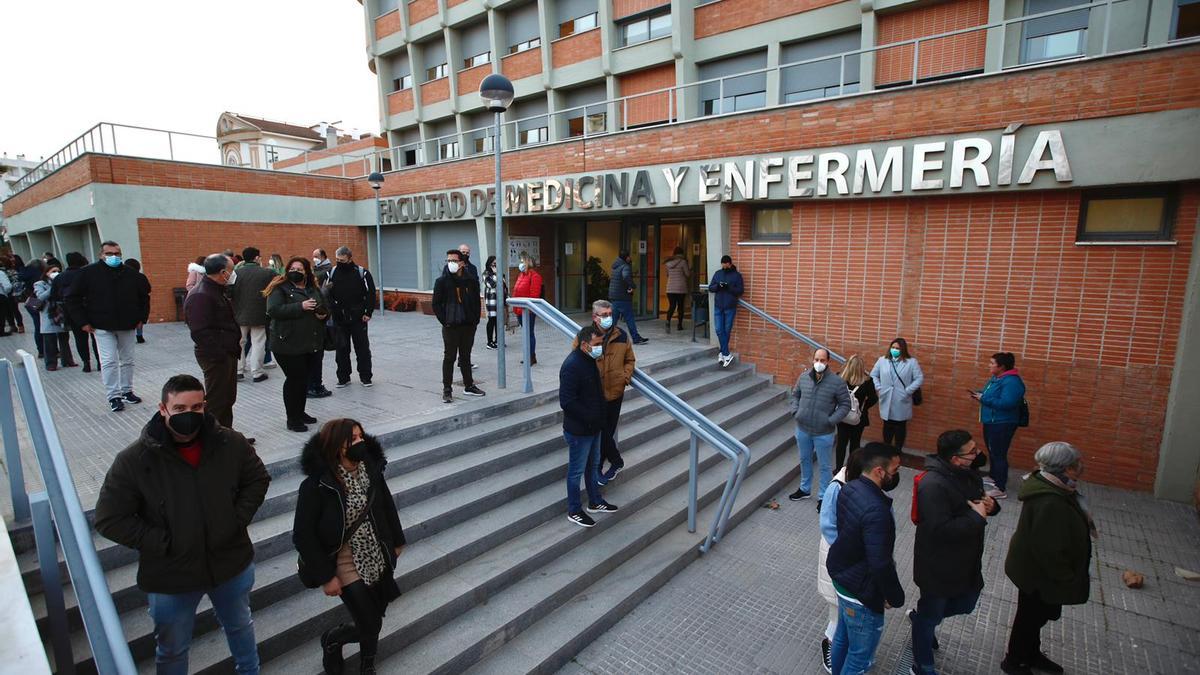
x,y
572,275
640,238
687,234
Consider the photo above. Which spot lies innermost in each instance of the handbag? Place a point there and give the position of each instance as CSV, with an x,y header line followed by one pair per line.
x,y
331,337
855,415
916,395
35,304
302,571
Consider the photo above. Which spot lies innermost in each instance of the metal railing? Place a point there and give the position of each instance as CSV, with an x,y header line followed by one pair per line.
x,y
700,427
760,313
57,509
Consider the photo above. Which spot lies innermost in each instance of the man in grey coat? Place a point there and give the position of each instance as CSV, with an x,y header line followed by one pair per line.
x,y
250,311
818,402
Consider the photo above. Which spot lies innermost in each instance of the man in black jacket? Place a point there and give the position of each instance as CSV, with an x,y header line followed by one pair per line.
x,y
250,311
860,560
952,512
209,316
111,301
182,495
456,304
581,397
351,292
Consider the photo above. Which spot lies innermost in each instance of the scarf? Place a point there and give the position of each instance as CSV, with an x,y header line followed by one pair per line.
x,y
1065,483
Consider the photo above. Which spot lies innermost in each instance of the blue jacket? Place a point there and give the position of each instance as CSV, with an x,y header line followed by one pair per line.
x,y
726,296
860,559
580,395
1000,402
829,509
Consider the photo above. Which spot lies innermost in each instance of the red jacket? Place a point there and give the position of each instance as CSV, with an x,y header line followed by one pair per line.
x,y
529,285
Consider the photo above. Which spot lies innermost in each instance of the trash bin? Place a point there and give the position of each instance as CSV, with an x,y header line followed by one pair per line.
x,y
699,313
180,294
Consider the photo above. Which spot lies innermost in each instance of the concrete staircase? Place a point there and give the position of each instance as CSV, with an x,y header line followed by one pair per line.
x,y
494,578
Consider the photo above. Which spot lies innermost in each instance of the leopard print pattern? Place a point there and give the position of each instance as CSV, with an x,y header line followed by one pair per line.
x,y
364,545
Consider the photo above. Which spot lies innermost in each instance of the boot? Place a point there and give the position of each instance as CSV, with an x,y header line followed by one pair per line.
x,y
87,366
366,664
331,652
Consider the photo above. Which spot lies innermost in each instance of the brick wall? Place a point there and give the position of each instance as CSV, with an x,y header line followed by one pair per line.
x,y
387,24
169,245
435,90
624,8
650,108
358,146
469,79
575,48
522,64
400,101
943,56
1094,329
727,15
419,10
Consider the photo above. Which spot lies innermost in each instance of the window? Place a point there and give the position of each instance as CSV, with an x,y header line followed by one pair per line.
x,y
730,84
525,46
535,135
1053,37
1186,20
412,156
272,155
590,125
578,25
402,82
448,150
436,72
477,60
813,79
751,101
772,224
646,28
483,144
1127,214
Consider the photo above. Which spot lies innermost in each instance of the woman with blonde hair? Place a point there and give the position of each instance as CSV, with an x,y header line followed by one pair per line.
x,y
862,391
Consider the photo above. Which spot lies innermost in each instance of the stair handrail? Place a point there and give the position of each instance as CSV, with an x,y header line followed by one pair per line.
x,y
699,426
58,508
784,327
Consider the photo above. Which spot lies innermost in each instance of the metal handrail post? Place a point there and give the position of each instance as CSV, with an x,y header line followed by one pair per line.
x,y
791,331
916,59
527,333
12,449
170,147
720,96
740,469
693,480
1107,27
842,76
52,586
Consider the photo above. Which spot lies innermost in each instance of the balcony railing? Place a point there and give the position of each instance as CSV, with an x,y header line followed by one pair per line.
x,y
899,64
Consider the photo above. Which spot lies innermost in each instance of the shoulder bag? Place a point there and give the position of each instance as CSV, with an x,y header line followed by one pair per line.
x,y
301,571
855,415
916,395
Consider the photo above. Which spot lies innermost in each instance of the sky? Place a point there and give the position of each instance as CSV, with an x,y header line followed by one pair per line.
x,y
177,65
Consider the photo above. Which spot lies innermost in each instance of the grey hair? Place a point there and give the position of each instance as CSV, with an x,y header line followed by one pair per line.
x,y
601,304
215,263
344,250
1056,456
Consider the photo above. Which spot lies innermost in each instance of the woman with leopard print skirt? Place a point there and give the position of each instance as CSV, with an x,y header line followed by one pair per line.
x,y
348,534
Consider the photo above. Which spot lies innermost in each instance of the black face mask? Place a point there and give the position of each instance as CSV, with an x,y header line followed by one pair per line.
x,y
343,263
357,452
890,484
979,461
186,423
295,277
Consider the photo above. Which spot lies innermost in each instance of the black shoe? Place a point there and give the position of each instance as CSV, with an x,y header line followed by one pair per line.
x,y
473,391
366,665
581,519
261,378
87,366
141,340
818,506
319,393
641,341
241,376
447,397
331,653
368,383
1013,668
798,495
116,404
342,385
1043,663
251,441
602,507
297,426
131,397
308,419
827,654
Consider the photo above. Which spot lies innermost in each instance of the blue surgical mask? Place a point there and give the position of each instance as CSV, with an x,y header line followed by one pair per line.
x,y
606,322
112,260
597,351
895,353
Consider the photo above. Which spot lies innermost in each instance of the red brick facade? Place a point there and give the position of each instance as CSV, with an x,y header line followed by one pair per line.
x,y
400,101
651,108
387,24
943,56
624,8
522,64
419,10
169,245
575,48
434,91
727,15
359,146
469,79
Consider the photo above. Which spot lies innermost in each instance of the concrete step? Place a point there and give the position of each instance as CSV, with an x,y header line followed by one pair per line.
x,y
287,630
738,396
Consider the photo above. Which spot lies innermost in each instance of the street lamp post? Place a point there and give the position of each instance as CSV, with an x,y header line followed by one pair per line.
x,y
376,181
497,92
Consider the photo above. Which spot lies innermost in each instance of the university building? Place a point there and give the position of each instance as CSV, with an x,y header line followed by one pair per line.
x,y
973,175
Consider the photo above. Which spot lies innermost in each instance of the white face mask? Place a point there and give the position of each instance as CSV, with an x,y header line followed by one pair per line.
x,y
522,267
316,261
453,267
52,275
819,367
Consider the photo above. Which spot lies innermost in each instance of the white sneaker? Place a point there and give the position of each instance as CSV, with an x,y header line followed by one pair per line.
x,y
720,359
270,364
728,360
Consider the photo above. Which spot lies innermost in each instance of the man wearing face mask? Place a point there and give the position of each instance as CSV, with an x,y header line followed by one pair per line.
x,y
457,306
860,560
581,397
951,516
351,291
620,294
111,301
818,402
217,337
616,363
182,496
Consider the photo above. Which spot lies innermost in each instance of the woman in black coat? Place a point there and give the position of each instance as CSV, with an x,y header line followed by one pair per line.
x,y
348,534
849,436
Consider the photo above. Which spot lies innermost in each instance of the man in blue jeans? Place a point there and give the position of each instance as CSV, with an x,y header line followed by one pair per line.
x,y
581,397
860,560
182,496
819,401
620,294
726,286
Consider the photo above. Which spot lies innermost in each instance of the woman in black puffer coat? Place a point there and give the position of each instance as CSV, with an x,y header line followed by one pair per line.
x,y
348,534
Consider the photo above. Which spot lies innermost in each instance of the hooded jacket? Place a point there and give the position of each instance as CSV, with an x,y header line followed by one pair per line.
x,y
621,282
860,559
194,274
188,525
818,406
1000,402
727,286
108,298
947,560
678,273
318,531
1051,548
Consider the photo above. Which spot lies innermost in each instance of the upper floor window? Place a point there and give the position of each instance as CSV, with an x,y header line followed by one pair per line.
x,y
477,60
535,135
1185,22
586,22
448,150
440,70
1053,37
402,82
525,46
646,28
772,224
1127,214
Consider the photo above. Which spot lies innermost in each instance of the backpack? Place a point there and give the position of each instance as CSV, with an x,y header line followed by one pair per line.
x,y
855,415
916,517
1023,414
